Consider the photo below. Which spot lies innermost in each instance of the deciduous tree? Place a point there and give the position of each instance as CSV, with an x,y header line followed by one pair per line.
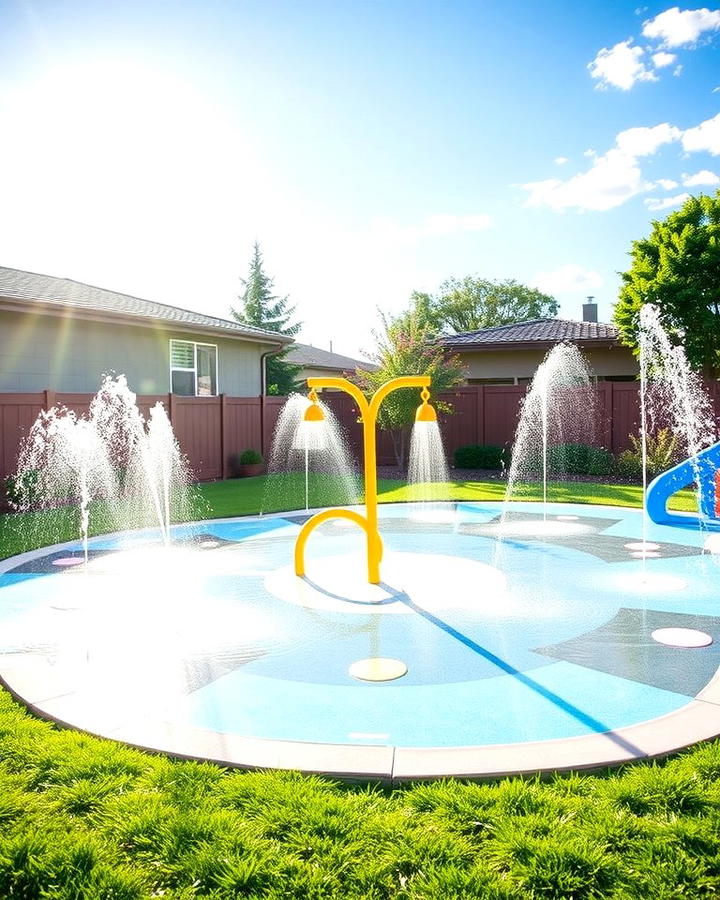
x,y
471,303
677,268
405,346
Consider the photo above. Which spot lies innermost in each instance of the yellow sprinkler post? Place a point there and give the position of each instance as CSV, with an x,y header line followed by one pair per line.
x,y
368,417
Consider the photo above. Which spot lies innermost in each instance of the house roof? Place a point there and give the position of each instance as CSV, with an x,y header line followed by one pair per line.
x,y
314,357
534,332
61,294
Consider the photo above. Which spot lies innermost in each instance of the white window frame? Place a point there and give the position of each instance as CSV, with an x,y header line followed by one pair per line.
x,y
195,345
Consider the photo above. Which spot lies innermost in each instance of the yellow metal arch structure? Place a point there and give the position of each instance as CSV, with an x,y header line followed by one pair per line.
x,y
368,522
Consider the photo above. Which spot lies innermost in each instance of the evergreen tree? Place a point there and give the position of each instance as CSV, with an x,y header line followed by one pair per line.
x,y
261,308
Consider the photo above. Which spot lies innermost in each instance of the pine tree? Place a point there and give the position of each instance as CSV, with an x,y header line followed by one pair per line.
x,y
263,309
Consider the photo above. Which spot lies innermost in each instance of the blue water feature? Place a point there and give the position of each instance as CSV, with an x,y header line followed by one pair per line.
x,y
702,468
512,629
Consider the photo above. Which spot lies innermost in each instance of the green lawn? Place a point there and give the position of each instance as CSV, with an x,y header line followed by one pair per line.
x,y
82,817
245,496
87,818
248,496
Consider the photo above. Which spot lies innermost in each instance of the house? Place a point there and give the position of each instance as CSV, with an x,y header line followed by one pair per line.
x,y
510,354
62,335
315,363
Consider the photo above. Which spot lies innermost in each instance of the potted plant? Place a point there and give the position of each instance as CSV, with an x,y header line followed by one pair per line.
x,y
246,464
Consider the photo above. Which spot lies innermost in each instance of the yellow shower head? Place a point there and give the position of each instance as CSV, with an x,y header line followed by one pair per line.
x,y
425,412
314,413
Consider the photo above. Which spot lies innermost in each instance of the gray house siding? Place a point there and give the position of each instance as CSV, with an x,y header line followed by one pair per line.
x,y
70,354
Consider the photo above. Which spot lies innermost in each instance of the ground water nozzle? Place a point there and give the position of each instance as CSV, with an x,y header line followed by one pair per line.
x,y
425,412
313,413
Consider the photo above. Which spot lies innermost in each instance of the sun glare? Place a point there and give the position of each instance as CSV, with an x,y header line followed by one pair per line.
x,y
120,154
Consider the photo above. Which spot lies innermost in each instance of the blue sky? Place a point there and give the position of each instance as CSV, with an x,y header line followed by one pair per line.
x,y
372,149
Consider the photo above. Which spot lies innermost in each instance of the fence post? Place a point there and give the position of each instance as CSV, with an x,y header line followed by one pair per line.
x,y
224,436
480,413
608,436
262,425
49,401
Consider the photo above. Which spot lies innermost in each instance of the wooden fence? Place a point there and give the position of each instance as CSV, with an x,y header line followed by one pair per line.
x,y
211,429
488,414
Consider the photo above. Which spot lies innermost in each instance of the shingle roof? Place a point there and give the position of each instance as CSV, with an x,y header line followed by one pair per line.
x,y
306,355
534,330
64,292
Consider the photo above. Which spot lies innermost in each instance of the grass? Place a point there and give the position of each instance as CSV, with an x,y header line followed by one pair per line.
x,y
563,492
87,818
247,496
82,817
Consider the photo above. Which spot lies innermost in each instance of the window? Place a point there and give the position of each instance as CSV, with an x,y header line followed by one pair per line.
x,y
193,369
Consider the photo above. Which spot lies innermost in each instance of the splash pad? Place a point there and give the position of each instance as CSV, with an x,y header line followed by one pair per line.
x,y
547,661
496,638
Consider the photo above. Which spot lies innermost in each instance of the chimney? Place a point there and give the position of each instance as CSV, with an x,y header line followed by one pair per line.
x,y
590,310
331,346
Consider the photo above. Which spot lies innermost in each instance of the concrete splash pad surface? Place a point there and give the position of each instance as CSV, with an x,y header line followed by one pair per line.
x,y
528,643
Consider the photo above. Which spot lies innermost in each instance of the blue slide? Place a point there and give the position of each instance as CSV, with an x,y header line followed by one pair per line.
x,y
702,468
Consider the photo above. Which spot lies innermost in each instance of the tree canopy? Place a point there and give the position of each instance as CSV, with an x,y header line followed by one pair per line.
x,y
471,303
405,347
677,268
261,308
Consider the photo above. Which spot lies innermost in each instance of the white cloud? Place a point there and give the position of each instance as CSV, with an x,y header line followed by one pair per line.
x,y
676,28
662,59
656,203
560,160
645,141
390,231
705,136
620,66
704,177
616,177
626,63
612,179
567,279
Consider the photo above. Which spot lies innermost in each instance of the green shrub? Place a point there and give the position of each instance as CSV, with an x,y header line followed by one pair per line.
x,y
628,464
662,453
563,459
250,458
600,462
479,456
569,459
579,459
22,490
